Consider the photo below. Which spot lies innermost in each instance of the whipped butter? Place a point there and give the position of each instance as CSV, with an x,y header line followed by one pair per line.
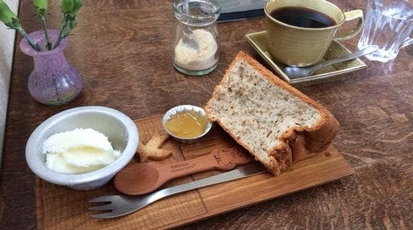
x,y
78,151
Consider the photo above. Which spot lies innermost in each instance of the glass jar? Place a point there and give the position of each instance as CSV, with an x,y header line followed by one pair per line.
x,y
195,38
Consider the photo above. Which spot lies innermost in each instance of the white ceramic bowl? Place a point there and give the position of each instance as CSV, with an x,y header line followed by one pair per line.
x,y
182,108
119,128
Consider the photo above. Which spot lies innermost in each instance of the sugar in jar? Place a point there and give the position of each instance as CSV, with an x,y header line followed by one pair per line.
x,y
195,37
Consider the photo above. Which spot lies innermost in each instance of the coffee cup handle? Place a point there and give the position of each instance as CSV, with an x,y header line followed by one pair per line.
x,y
349,16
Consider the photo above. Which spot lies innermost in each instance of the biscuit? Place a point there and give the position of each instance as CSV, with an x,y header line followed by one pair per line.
x,y
151,150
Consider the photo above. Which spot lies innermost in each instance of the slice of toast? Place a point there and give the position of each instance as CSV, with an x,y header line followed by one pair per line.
x,y
274,121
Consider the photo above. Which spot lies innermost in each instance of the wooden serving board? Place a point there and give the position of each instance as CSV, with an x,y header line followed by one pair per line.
x,y
63,208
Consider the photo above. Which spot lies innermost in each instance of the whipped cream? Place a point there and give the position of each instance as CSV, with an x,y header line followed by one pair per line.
x,y
78,151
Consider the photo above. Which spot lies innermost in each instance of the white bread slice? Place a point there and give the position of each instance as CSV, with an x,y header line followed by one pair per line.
x,y
275,122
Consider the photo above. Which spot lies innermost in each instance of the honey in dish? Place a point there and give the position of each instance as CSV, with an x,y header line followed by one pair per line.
x,y
187,124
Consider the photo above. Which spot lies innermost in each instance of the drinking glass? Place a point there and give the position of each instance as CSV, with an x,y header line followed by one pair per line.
x,y
388,25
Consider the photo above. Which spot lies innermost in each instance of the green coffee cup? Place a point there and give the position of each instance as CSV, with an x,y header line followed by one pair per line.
x,y
299,32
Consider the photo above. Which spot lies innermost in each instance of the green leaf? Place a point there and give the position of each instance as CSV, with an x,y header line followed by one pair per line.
x,y
15,23
66,6
70,7
6,15
76,7
72,24
40,5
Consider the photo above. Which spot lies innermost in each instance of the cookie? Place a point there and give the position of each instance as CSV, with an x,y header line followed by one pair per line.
x,y
152,149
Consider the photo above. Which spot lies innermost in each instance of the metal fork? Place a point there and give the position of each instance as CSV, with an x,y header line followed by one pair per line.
x,y
120,205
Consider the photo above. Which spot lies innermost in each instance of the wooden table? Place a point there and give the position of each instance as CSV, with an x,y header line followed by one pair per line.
x,y
122,49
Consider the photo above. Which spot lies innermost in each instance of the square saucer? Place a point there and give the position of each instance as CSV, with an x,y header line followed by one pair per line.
x,y
332,72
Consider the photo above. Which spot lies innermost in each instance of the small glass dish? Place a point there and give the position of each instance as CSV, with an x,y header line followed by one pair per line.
x,y
183,109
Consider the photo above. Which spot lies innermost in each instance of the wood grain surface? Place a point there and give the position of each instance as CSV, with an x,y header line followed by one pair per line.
x,y
55,203
122,49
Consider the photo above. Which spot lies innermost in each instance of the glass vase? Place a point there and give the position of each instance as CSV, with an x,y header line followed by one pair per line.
x,y
53,80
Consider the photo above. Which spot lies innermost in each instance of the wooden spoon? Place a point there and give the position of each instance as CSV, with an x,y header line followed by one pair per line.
x,y
141,178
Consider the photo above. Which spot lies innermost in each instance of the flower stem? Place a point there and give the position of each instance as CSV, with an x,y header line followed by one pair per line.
x,y
29,40
63,32
46,34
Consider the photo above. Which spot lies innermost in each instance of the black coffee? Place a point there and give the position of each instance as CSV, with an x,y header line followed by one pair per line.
x,y
302,17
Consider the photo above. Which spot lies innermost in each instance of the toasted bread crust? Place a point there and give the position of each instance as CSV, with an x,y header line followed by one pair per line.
x,y
296,143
